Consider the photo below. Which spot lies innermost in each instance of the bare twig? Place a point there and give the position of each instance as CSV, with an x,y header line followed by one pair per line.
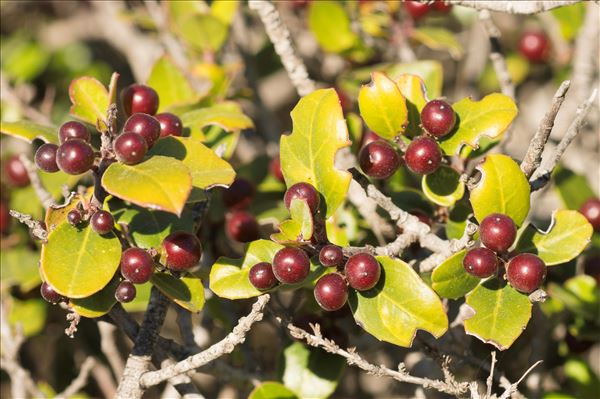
x,y
80,381
490,379
41,192
109,347
36,228
513,6
497,55
437,258
513,387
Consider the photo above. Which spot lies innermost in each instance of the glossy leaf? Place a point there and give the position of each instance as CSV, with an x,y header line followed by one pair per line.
x,y
438,39
29,131
160,182
229,277
450,280
398,305
311,372
271,390
331,25
307,155
567,236
297,229
98,304
489,117
443,187
90,100
383,106
142,297
429,70
79,262
503,188
573,189
227,115
501,313
187,291
170,83
57,214
414,91
20,268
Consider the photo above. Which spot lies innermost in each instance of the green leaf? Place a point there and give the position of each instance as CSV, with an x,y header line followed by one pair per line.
x,y
383,107
29,131
170,83
30,314
20,267
573,189
229,277
398,305
98,304
90,100
203,32
457,219
187,291
414,91
438,39
142,297
330,24
297,229
227,115
161,183
489,117
307,155
207,169
568,235
57,214
224,10
570,19
79,262
518,69
311,372
429,70
503,188
271,390
501,313
450,280
443,187
579,294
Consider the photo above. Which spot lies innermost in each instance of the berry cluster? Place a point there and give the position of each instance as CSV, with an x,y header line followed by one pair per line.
x,y
75,154
418,10
525,272
240,225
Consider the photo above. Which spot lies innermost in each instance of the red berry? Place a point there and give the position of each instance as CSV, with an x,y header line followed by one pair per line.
x,y
369,137
331,292
139,98
438,118
183,250
497,232
481,262
291,265
239,195
130,148
442,6
73,130
362,271
241,226
345,101
534,46
275,169
423,155
15,171
102,222
125,292
262,277
49,294
4,217
75,157
379,159
303,191
591,210
417,10
74,217
170,124
331,255
145,125
526,272
45,158
136,265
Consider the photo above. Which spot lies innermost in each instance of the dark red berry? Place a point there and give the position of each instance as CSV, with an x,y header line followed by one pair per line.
x,y
241,226
331,255
145,125
416,9
345,101
183,250
75,157
45,157
139,98
74,217
130,148
438,118
362,271
591,210
369,137
497,232
15,172
4,217
534,46
379,159
170,124
442,6
303,191
102,222
481,262
136,265
331,292
423,155
73,130
275,169
291,265
262,277
125,292
49,294
526,272
239,195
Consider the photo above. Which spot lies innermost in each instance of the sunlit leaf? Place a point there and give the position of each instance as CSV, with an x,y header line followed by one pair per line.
x,y
90,100
170,83
187,291
443,186
450,280
28,131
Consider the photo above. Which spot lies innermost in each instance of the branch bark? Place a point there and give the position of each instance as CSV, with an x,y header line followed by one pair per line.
x,y
514,7
497,55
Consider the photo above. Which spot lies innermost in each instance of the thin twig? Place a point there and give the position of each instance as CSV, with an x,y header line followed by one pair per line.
x,y
80,381
490,379
44,196
513,387
497,55
36,228
109,347
514,7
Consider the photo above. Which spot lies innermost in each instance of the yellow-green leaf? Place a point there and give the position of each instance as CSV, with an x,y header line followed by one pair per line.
x,y
98,304
187,291
224,10
29,314
79,262
203,32
307,155
90,100
271,390
438,39
330,24
299,228
170,83
414,91
161,183
29,131
450,280
20,267
226,115
443,186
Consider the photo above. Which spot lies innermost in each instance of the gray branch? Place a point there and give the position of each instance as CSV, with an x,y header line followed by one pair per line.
x,y
80,381
36,228
496,54
513,6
